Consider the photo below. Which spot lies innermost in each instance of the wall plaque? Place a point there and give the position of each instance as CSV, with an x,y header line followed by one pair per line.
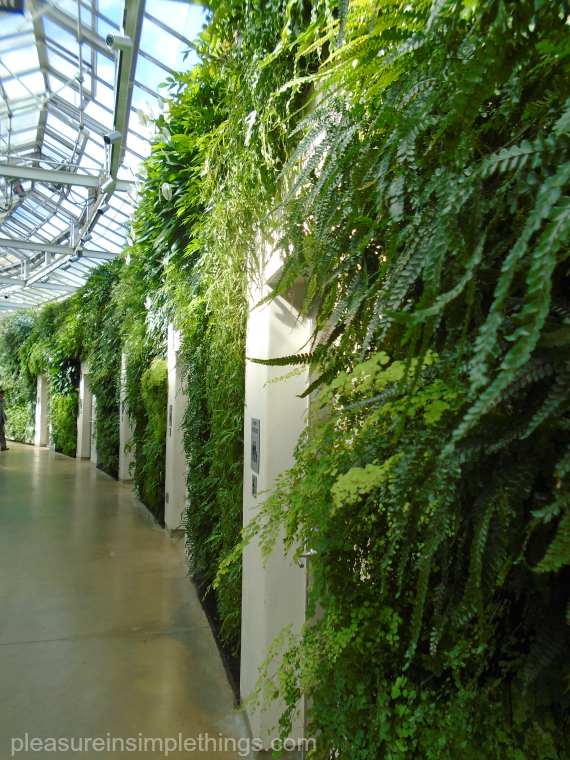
x,y
255,445
254,486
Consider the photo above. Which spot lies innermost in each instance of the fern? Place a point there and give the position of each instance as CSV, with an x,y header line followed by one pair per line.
x,y
558,553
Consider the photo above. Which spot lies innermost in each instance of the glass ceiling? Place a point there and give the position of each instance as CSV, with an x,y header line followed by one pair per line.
x,y
61,91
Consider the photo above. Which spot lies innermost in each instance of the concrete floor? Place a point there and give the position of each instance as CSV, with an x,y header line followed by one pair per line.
x,y
101,632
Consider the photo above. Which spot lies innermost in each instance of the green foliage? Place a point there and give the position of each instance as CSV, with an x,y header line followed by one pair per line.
x,y
94,324
428,215
154,385
20,394
63,421
212,175
53,341
149,451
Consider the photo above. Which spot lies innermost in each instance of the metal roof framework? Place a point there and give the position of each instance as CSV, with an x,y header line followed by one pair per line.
x,y
61,90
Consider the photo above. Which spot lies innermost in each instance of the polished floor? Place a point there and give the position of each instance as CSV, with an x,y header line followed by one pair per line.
x,y
102,635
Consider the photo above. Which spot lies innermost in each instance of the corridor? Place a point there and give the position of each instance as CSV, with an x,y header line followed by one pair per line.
x,y
102,635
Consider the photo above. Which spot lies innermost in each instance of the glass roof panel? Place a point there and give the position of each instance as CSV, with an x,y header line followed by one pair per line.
x,y
62,104
60,127
105,68
104,27
69,6
143,99
87,17
68,69
23,138
22,87
105,95
149,73
101,114
22,58
184,18
13,42
112,9
138,146
55,33
12,23
162,45
25,120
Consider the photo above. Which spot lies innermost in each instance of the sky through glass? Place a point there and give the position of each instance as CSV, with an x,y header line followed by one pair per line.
x,y
57,101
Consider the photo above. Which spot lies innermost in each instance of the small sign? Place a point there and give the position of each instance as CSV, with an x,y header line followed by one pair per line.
x,y
254,486
170,416
255,445
80,406
12,6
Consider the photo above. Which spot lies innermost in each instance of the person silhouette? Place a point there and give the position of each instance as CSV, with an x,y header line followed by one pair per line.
x,y
3,420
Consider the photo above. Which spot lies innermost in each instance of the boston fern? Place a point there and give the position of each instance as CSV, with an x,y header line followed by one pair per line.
x,y
429,215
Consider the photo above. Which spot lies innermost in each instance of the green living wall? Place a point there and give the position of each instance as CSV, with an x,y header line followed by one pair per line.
x,y
53,341
429,216
20,394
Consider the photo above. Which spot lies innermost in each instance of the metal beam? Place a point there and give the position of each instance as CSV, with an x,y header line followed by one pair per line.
x,y
70,25
64,250
55,177
38,285
124,79
15,306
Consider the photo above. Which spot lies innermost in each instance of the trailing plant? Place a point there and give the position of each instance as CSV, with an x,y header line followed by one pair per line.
x,y
50,350
63,421
428,214
212,175
20,394
94,318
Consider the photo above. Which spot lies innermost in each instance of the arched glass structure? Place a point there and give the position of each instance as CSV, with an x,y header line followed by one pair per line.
x,y
63,88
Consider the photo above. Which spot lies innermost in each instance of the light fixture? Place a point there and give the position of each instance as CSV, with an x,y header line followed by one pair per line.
x,y
109,186
19,190
86,238
104,208
110,138
66,265
119,42
44,279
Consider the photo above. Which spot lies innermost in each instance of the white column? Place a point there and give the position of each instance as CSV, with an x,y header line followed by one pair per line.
x,y
125,430
175,485
274,590
93,455
41,422
84,414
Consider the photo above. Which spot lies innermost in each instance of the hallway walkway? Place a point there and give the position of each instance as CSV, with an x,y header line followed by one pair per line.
x,y
101,632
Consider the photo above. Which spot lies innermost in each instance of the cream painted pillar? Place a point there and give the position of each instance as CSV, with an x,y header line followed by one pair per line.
x,y
84,414
125,430
41,421
274,592
175,485
93,455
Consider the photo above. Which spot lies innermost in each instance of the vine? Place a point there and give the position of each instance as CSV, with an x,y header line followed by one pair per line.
x,y
428,216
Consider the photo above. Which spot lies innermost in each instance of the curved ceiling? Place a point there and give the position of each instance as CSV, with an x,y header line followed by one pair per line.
x,y
62,89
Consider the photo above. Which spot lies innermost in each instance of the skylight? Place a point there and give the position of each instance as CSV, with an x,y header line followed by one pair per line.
x,y
58,98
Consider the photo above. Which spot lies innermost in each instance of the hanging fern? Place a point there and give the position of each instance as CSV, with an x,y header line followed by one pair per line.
x,y
428,213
